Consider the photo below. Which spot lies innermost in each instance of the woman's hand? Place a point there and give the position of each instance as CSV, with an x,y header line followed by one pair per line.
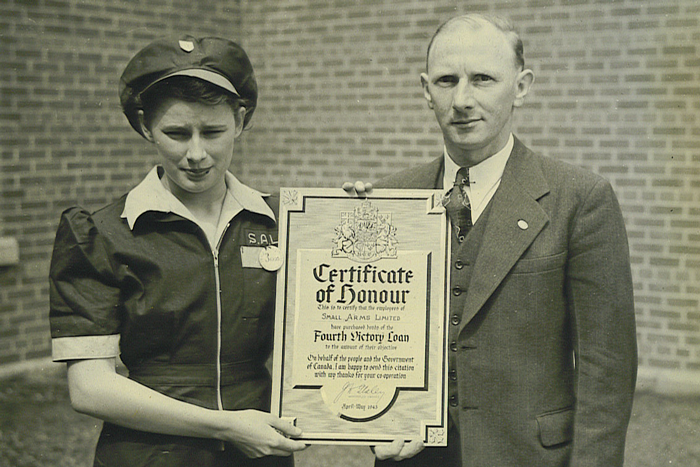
x,y
259,434
98,390
399,450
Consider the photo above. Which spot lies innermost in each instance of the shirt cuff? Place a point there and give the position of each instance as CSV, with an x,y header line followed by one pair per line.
x,y
84,347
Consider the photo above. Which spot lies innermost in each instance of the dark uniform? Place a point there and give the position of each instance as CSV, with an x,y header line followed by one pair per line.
x,y
140,279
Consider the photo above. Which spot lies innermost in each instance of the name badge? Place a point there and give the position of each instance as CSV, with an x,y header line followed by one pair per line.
x,y
250,256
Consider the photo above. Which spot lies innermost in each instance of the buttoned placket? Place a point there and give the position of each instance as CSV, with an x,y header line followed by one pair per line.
x,y
458,290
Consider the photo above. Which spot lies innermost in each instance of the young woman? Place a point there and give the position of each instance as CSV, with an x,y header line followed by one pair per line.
x,y
167,277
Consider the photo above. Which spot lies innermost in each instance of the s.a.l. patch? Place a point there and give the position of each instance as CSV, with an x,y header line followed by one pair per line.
x,y
259,238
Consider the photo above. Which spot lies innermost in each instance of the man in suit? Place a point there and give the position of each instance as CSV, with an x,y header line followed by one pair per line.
x,y
543,356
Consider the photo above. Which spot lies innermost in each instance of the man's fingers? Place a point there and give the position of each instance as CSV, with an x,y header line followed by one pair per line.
x,y
358,187
362,187
411,449
399,450
388,451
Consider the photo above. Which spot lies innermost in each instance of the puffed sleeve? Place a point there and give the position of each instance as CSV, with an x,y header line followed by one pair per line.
x,y
84,295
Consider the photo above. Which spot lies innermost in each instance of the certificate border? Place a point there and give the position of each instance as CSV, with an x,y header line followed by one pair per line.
x,y
433,434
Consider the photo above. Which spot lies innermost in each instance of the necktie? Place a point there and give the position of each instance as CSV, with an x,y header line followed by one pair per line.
x,y
456,203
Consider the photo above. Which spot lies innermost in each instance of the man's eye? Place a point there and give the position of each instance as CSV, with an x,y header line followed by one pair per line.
x,y
446,80
212,133
482,78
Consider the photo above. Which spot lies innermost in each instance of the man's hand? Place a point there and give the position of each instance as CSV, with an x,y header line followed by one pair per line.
x,y
398,450
358,187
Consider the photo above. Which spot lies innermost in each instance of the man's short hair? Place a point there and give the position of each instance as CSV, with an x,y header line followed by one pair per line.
x,y
476,20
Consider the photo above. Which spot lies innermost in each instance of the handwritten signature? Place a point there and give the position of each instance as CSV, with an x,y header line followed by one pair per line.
x,y
361,391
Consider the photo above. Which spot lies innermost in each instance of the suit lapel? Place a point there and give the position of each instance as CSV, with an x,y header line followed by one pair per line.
x,y
516,218
430,177
425,176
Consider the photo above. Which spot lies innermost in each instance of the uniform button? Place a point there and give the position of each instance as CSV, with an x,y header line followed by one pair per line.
x,y
453,375
455,319
453,401
459,264
453,346
457,291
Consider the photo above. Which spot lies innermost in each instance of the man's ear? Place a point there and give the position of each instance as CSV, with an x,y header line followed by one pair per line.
x,y
523,83
144,129
426,92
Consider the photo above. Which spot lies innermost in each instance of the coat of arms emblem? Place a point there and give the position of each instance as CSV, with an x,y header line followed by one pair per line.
x,y
365,235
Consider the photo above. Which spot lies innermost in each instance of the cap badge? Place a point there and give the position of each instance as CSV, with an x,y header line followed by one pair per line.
x,y
187,46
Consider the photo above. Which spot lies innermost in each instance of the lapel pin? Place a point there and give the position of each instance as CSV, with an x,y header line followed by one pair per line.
x,y
523,224
187,46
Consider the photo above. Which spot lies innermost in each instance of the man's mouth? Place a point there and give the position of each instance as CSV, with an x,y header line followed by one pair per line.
x,y
465,121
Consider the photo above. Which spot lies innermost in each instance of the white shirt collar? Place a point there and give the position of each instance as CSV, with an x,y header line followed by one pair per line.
x,y
484,177
151,195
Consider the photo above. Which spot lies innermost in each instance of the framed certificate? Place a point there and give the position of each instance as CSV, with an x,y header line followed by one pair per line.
x,y
360,332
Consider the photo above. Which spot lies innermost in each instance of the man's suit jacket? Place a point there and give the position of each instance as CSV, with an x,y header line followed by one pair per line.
x,y
546,350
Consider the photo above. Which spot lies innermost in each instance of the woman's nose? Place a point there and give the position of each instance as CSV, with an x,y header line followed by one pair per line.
x,y
196,151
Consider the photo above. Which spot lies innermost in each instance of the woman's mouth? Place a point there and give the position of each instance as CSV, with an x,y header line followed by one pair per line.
x,y
196,173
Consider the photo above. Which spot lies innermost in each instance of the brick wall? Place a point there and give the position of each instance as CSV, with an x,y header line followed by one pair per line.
x,y
64,138
617,91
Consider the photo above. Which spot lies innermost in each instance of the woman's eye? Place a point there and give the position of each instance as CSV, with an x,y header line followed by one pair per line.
x,y
177,135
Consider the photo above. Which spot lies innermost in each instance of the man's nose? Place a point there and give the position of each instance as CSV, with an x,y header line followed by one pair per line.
x,y
463,96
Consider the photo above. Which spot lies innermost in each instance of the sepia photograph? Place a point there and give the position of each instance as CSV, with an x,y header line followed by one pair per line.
x,y
357,233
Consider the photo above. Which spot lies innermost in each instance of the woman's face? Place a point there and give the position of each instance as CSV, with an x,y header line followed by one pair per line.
x,y
195,142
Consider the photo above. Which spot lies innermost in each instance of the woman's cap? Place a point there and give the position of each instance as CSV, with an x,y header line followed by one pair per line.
x,y
213,59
